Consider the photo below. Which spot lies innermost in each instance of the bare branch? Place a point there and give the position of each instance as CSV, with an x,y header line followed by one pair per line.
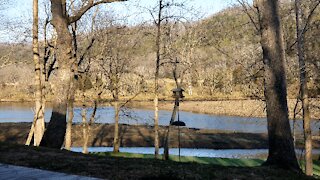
x,y
87,7
246,10
310,16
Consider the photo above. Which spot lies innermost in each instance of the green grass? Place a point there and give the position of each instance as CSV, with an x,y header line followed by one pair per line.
x,y
207,160
316,168
139,166
200,160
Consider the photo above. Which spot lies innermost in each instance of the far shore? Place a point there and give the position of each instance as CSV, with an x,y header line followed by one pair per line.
x,y
241,108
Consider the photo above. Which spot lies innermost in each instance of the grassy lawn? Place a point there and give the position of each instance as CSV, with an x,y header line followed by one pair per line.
x,y
211,161
138,166
192,159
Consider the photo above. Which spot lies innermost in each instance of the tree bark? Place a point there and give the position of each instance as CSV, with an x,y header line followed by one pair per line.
x,y
304,90
116,142
68,137
167,137
281,149
156,83
55,134
84,130
37,128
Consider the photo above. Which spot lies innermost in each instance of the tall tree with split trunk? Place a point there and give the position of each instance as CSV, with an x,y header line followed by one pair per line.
x,y
281,149
61,21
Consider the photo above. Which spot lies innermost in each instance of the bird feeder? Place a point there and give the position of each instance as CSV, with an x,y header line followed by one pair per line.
x,y
177,94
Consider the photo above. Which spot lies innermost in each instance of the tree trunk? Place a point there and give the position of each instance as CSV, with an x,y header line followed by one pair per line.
x,y
156,83
166,144
167,137
281,149
156,127
304,90
55,134
37,128
116,142
68,138
84,130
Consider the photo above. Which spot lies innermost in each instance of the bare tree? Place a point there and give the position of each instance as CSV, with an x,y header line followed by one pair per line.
x,y
178,44
116,47
61,20
158,22
281,149
267,23
37,128
160,15
300,42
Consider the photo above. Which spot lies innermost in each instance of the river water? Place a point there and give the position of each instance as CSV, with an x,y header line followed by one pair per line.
x,y
212,153
221,153
13,112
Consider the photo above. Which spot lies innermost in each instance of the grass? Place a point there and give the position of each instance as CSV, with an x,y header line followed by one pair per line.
x,y
138,166
207,160
227,162
192,159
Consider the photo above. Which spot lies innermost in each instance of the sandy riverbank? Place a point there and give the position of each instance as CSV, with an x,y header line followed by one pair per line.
x,y
243,108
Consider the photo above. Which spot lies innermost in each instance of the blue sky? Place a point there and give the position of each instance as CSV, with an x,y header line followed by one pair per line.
x,y
23,8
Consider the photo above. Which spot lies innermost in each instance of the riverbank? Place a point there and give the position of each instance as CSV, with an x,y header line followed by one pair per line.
x,y
143,136
110,167
237,107
242,108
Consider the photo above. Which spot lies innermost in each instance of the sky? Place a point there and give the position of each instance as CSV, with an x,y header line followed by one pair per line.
x,y
129,10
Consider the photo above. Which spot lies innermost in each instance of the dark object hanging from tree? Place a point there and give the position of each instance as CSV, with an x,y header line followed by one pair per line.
x,y
178,123
177,94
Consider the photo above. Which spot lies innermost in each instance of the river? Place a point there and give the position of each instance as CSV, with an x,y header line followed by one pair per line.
x,y
14,112
212,153
17,112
